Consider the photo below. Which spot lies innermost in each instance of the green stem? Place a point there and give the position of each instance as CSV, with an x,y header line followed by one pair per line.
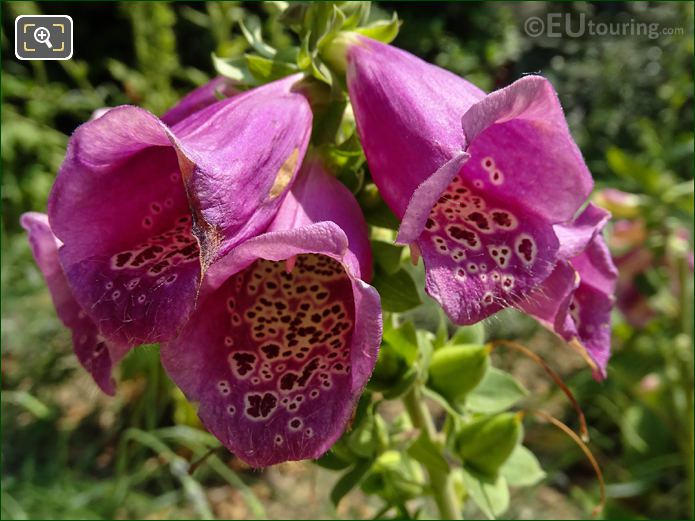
x,y
441,483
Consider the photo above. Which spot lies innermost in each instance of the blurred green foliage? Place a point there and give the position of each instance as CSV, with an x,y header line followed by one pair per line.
x,y
69,453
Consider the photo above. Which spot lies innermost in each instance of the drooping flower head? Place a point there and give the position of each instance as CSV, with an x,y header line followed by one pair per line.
x,y
287,332
142,209
478,180
576,300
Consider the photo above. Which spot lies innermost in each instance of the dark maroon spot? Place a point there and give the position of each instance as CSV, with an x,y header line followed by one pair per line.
x,y
321,295
261,406
308,370
148,254
189,250
525,248
122,258
183,220
271,350
461,234
244,362
501,218
429,224
158,268
295,423
479,219
287,381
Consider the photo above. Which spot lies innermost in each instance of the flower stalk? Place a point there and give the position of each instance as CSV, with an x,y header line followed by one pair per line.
x,y
441,482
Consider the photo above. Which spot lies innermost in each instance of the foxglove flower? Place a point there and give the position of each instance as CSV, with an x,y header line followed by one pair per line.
x,y
142,208
478,180
576,300
287,334
94,352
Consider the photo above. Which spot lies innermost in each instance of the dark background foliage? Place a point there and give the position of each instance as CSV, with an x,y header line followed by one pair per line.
x,y
69,452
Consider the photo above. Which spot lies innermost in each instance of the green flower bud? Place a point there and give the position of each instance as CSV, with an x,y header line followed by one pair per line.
x,y
455,370
474,334
394,478
485,443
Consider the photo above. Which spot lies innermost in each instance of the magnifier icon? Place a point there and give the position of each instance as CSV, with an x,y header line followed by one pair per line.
x,y
43,35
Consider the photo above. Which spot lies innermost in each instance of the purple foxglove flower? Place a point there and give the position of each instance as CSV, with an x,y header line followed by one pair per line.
x,y
96,354
478,180
576,300
287,332
142,209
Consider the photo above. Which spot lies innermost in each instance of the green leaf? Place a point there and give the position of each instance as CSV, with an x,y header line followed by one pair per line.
x,y
318,18
357,13
397,290
491,495
335,24
496,392
349,480
404,341
28,402
252,32
332,462
267,70
304,56
522,468
234,68
382,30
387,256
